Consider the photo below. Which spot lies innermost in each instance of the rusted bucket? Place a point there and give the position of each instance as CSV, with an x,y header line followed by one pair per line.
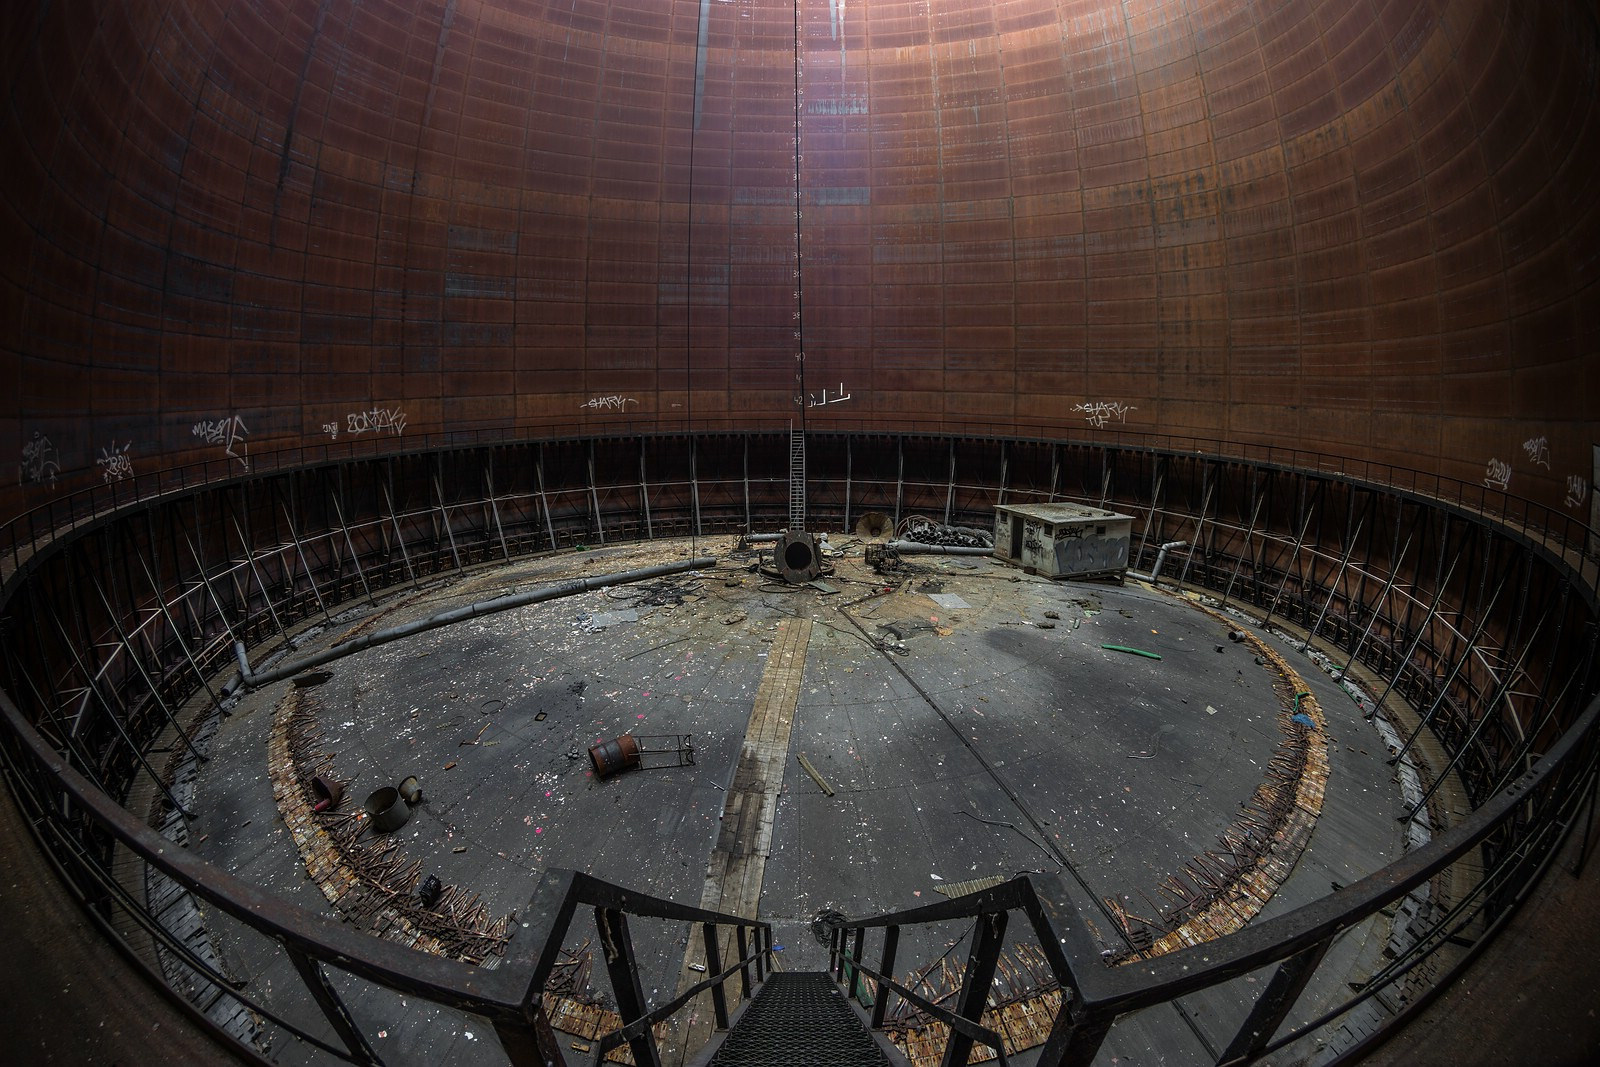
x,y
386,810
411,790
609,757
325,794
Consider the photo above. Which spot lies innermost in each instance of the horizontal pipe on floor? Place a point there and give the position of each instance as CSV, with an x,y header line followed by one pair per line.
x,y
476,610
1160,558
913,548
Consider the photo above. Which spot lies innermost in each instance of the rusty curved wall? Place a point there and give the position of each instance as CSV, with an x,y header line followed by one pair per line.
x,y
1366,227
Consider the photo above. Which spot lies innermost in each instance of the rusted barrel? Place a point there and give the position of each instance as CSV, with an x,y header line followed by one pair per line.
x,y
619,754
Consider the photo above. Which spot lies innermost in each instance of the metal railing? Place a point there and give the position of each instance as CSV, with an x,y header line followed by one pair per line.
x,y
70,809
66,777
23,534
1097,993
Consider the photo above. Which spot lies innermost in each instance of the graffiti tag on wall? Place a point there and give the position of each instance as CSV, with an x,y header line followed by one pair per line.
x,y
114,463
1538,450
1577,491
614,402
228,432
374,420
1497,475
1100,412
40,461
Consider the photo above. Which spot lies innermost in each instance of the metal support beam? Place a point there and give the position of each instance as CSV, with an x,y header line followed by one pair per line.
x,y
333,1008
594,497
719,999
294,535
950,488
544,500
694,483
988,938
394,521
849,472
880,1004
899,479
1344,562
1438,698
1249,537
1294,558
624,971
494,507
444,513
1284,988
1483,719
350,545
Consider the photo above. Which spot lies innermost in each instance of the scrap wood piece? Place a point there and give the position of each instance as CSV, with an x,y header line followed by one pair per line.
x,y
815,777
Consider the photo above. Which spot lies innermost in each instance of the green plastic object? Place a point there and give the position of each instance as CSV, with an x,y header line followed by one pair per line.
x,y
1135,651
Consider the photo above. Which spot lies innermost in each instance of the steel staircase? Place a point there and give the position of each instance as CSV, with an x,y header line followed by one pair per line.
x,y
799,1019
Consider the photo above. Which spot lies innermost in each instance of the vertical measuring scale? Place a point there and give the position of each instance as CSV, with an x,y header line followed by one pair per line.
x,y
797,442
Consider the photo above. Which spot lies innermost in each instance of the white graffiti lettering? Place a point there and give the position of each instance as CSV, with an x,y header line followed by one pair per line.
x,y
375,420
1538,450
1100,412
331,429
812,400
1497,475
114,463
607,403
1577,491
40,461
228,432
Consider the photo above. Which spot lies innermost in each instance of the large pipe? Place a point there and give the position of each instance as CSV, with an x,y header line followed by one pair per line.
x,y
1160,558
914,548
477,610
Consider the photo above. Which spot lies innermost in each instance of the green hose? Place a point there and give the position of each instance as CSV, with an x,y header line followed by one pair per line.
x,y
1135,651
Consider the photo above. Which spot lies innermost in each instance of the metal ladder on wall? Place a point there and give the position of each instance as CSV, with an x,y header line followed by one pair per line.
x,y
797,479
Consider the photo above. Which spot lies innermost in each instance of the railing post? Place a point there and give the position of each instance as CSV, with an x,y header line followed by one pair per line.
x,y
1077,1034
744,968
855,961
719,1000
891,941
981,963
836,953
1285,987
533,1044
327,999
624,971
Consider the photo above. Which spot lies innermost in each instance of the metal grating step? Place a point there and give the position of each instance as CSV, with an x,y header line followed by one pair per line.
x,y
799,1019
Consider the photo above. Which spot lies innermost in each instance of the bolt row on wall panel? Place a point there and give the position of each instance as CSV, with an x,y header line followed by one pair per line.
x,y
1362,228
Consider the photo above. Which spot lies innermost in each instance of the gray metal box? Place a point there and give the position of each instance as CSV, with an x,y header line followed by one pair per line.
x,y
1063,540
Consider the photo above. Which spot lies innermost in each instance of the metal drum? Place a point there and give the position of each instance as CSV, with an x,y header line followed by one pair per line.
x,y
609,757
386,810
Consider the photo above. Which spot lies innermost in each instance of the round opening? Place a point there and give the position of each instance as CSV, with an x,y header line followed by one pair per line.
x,y
797,555
381,800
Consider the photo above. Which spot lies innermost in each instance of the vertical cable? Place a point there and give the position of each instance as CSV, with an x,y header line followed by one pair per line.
x,y
799,269
688,262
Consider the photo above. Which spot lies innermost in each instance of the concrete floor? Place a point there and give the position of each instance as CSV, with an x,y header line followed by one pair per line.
x,y
74,1001
960,741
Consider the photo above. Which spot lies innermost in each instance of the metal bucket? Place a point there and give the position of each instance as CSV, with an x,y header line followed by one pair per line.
x,y
609,757
325,793
386,810
410,790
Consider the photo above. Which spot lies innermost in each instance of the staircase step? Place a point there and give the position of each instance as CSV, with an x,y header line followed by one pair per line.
x,y
799,1019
